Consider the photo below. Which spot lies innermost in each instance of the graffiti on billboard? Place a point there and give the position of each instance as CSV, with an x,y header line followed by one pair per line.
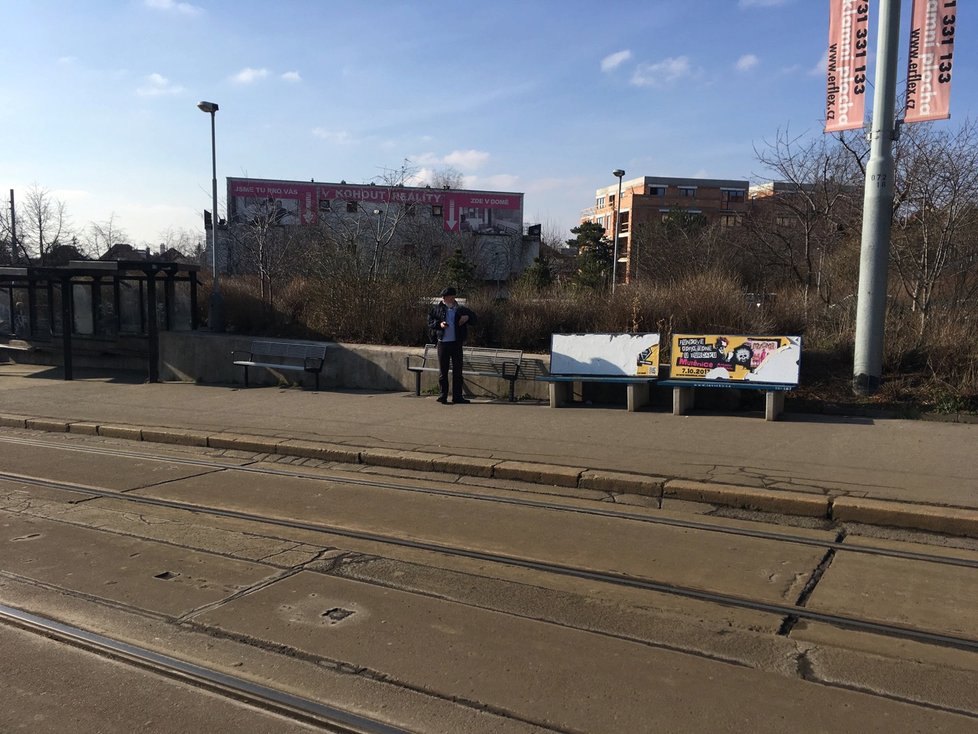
x,y
626,355
293,202
773,359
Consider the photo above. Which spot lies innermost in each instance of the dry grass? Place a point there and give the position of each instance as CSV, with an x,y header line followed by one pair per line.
x,y
937,370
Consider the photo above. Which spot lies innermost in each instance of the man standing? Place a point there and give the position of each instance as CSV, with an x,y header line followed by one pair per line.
x,y
449,322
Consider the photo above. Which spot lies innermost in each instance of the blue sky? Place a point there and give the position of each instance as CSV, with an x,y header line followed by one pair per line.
x,y
547,97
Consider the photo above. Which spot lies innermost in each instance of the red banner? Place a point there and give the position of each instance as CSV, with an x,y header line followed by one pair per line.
x,y
932,26
845,89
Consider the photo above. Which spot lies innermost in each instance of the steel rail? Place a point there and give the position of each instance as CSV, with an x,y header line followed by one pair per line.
x,y
617,579
519,502
283,703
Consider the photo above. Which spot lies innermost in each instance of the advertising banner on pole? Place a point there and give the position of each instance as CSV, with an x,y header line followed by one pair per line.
x,y
845,89
770,359
932,26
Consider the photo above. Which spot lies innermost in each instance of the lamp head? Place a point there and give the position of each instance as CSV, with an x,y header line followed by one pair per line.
x,y
210,107
617,172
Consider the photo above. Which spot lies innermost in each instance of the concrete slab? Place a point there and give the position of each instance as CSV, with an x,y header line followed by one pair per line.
x,y
762,569
54,687
620,482
528,668
181,437
89,469
147,575
918,594
901,669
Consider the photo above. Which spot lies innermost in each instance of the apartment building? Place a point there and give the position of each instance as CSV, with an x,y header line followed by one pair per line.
x,y
651,199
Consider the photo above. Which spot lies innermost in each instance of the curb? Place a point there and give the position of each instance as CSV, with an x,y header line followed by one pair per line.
x,y
910,516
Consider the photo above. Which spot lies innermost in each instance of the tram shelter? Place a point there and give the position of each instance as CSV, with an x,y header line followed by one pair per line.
x,y
97,307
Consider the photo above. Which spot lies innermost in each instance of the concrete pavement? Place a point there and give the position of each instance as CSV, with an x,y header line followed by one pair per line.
x,y
905,473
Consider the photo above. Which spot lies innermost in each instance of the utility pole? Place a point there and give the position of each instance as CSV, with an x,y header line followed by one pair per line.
x,y
877,210
13,230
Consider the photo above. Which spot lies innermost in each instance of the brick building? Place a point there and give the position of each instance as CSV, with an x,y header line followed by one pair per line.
x,y
650,199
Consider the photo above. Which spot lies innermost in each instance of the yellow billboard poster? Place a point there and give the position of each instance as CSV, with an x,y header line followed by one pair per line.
x,y
769,359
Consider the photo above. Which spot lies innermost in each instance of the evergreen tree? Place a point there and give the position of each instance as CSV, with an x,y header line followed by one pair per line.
x,y
595,253
458,271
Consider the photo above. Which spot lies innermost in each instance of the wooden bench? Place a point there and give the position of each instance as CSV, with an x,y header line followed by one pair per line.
x,y
480,361
288,356
769,364
625,359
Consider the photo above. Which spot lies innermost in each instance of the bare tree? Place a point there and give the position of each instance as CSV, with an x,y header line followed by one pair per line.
x,y
936,212
811,210
100,236
267,247
44,223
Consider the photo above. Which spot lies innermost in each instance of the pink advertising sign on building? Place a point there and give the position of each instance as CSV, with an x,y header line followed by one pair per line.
x,y
301,203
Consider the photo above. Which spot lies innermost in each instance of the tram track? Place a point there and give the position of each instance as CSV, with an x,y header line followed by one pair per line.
x,y
785,611
836,545
330,718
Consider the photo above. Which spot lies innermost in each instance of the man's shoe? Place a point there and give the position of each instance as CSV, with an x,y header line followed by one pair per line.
x,y
461,401
443,400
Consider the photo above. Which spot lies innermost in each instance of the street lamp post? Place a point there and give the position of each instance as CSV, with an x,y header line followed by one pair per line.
x,y
614,264
216,318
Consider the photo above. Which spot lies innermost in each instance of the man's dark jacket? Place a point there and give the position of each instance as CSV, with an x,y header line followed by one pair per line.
x,y
439,313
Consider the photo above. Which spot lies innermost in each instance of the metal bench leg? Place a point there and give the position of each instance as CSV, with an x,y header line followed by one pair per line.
x,y
417,384
682,400
512,390
773,405
246,375
317,381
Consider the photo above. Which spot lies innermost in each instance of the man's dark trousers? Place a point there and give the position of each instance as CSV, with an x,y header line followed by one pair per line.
x,y
450,352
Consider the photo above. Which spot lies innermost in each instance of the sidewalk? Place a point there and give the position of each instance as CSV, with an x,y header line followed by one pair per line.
x,y
899,472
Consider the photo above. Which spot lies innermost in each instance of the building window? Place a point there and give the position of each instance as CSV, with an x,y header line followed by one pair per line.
x,y
731,220
351,207
324,205
410,209
599,203
611,200
687,192
623,221
732,196
657,190
436,210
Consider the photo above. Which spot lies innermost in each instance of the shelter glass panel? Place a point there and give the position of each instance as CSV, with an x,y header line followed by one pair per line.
x,y
181,307
6,312
130,307
81,296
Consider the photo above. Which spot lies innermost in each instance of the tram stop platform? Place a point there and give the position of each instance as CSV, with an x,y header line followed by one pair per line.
x,y
912,474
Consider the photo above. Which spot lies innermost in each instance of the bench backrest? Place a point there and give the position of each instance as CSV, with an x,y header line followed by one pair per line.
x,y
773,360
487,359
480,359
607,355
288,350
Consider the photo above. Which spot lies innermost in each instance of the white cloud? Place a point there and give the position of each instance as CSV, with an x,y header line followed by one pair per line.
x,y
291,76
340,137
249,75
747,62
157,85
466,159
171,6
661,73
613,61
761,3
